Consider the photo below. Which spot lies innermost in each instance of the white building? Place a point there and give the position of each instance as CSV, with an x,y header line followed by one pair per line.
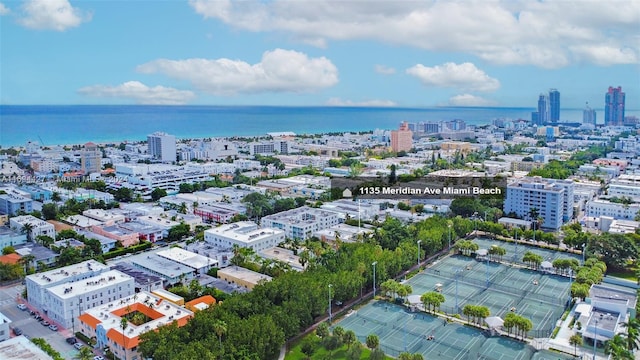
x,y
103,322
5,331
198,262
627,185
162,146
38,227
354,210
38,284
245,234
172,272
599,208
64,302
545,196
302,222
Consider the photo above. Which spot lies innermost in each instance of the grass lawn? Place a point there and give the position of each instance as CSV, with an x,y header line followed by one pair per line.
x,y
321,353
627,275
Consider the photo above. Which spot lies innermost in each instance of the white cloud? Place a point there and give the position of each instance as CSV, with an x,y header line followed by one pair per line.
x,y
384,70
278,71
370,103
465,76
4,10
140,93
470,100
56,15
540,33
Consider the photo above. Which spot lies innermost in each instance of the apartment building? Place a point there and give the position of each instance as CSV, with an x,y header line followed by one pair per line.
x,y
302,222
537,193
37,227
245,234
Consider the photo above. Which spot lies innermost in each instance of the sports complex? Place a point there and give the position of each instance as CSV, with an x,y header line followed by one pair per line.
x,y
503,287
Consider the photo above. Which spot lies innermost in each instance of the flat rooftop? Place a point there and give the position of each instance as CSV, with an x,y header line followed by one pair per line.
x,y
284,255
610,293
76,288
57,275
140,276
187,258
21,348
159,265
244,231
247,275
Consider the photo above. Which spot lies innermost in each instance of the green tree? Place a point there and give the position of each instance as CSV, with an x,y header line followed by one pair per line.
x,y
432,299
372,341
575,340
50,211
158,193
617,348
124,323
220,328
349,338
322,330
8,250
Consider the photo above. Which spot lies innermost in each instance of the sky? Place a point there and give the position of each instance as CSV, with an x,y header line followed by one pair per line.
x,y
317,52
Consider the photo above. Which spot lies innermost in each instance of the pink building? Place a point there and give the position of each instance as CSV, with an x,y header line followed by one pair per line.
x,y
115,232
621,164
402,139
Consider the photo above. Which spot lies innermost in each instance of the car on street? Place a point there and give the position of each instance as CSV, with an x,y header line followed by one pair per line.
x,y
53,327
97,357
45,323
78,345
22,307
17,331
71,340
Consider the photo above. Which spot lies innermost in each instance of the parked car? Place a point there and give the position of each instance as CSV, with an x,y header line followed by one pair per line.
x,y
71,340
78,345
22,307
17,331
53,327
98,357
45,323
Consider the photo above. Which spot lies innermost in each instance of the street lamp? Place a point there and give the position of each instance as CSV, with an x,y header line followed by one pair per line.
x,y
330,303
487,271
449,225
374,278
419,242
583,252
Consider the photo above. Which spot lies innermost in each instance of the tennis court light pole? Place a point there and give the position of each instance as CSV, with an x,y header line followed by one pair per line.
x,y
449,236
595,340
374,278
419,242
456,276
487,271
583,251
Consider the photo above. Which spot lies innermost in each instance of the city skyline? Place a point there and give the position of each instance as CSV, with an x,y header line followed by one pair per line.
x,y
381,53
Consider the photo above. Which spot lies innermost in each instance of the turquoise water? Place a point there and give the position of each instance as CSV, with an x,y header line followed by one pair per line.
x,y
78,124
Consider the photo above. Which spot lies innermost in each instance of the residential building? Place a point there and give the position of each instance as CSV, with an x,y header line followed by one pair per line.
x,y
106,244
245,234
626,185
91,158
144,281
11,237
589,116
199,263
103,322
614,103
38,284
302,222
201,303
243,277
546,197
543,110
64,302
118,233
20,348
5,330
599,208
162,146
37,227
554,105
402,139
15,205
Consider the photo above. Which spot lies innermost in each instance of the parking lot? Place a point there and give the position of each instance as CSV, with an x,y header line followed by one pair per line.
x,y
30,327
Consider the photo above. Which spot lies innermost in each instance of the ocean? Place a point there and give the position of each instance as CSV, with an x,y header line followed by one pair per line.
x,y
55,125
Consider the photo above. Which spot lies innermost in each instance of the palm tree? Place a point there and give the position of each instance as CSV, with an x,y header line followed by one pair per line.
x,y
633,334
533,214
616,347
373,341
220,328
26,261
27,228
85,353
123,325
575,340
349,338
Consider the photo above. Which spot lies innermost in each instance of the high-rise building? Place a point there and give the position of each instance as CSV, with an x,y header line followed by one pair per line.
x,y
91,158
162,146
554,105
543,109
614,107
535,118
402,139
589,115
553,200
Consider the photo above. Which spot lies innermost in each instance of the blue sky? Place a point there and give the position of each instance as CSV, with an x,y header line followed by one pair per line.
x,y
316,52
